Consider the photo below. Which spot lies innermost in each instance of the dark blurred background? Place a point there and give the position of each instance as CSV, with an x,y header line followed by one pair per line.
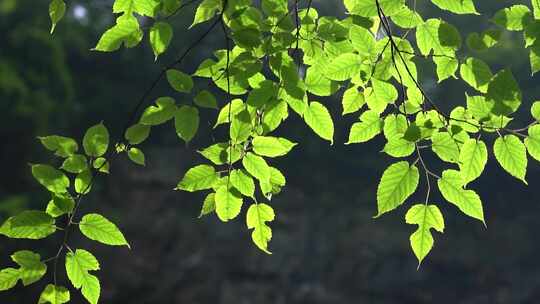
x,y
326,246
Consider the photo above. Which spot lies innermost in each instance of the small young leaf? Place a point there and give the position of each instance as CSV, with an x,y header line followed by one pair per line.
x,y
209,205
98,228
352,100
206,11
136,156
57,9
160,36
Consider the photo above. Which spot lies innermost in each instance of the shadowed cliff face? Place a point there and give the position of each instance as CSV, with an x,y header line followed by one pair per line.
x,y
326,247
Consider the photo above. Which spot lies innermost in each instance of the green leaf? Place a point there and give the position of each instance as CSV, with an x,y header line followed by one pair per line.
x,y
368,8
395,126
513,18
446,67
219,153
228,203
532,142
242,182
362,40
407,18
236,106
318,84
370,125
398,147
101,164
28,224
457,7
481,42
53,294
451,187
472,160
534,58
78,265
76,163
536,8
162,112
209,205
142,7
136,156
241,127
272,146
352,100
160,36
83,182
8,278
52,179
319,120
398,182
256,218
503,91
186,122
206,11
256,166
62,146
511,154
476,73
205,99
438,36
57,9
180,81
126,31
137,133
96,140
60,204
31,268
445,146
426,217
382,94
198,178
343,67
98,228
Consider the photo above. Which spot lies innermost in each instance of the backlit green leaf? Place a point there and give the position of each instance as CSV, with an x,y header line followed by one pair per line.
x,y
96,227
398,182
319,120
511,154
198,178
451,187
256,218
426,217
186,122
